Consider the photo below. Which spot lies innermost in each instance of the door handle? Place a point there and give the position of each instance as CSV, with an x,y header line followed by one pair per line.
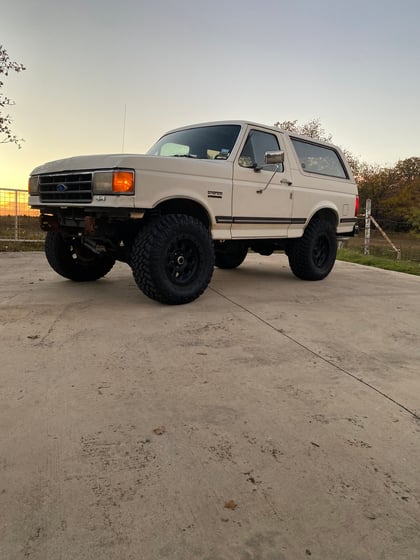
x,y
286,182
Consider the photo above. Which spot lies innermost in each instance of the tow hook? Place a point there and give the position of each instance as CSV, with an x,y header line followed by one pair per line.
x,y
89,225
49,222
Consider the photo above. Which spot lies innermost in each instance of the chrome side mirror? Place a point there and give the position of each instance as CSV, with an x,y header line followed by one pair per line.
x,y
274,157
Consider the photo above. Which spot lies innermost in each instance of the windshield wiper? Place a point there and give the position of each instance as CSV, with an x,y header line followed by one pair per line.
x,y
186,155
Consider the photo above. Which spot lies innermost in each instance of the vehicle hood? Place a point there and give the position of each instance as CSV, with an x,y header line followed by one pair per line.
x,y
138,162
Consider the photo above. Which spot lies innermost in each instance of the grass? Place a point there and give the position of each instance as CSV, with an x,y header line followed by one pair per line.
x,y
30,235
19,246
351,255
381,254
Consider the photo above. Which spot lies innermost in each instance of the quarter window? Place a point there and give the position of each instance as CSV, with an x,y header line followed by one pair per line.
x,y
322,160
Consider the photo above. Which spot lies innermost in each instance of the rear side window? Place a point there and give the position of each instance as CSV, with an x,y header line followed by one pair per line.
x,y
322,160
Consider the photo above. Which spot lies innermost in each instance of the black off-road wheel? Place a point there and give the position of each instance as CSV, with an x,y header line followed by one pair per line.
x,y
172,259
312,257
230,254
70,259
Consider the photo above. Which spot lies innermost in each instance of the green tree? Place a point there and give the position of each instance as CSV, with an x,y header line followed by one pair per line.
x,y
394,192
6,66
408,169
414,220
374,182
403,201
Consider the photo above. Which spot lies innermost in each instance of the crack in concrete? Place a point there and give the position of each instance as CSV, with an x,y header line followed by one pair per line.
x,y
314,353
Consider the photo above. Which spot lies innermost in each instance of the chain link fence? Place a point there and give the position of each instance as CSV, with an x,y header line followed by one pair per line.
x,y
19,224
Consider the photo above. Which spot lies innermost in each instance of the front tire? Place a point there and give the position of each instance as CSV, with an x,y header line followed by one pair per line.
x,y
173,259
312,257
70,259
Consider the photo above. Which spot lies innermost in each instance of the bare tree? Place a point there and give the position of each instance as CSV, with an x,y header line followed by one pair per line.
x,y
6,66
313,129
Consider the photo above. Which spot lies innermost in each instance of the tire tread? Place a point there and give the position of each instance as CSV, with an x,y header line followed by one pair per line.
x,y
146,256
300,251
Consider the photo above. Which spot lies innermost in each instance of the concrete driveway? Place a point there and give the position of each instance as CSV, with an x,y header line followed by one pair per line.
x,y
272,419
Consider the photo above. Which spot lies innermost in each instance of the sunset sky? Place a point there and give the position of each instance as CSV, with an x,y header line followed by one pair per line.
x,y
354,65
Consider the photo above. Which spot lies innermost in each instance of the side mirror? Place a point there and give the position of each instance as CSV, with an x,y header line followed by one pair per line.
x,y
274,157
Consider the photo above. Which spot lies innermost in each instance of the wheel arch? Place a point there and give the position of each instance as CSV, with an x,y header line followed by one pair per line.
x,y
329,214
185,206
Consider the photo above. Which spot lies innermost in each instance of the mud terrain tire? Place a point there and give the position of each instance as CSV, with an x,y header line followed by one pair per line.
x,y
313,255
173,259
73,261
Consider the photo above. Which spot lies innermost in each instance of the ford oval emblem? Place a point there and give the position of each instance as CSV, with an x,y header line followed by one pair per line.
x,y
61,187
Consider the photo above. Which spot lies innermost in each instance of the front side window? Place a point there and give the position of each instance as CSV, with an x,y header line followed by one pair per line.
x,y
322,160
256,145
204,142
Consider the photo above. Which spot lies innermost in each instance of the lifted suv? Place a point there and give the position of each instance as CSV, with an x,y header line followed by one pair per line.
x,y
203,195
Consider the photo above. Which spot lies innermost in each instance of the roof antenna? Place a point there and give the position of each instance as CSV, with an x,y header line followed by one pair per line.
x,y
123,134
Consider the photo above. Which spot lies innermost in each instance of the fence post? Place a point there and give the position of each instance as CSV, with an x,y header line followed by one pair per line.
x,y
16,217
367,226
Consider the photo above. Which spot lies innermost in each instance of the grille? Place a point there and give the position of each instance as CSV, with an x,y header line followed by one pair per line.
x,y
66,187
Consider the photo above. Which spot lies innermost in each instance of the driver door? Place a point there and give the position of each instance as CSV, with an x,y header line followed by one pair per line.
x,y
267,213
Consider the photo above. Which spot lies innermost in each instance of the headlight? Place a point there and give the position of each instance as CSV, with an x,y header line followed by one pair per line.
x,y
33,185
113,182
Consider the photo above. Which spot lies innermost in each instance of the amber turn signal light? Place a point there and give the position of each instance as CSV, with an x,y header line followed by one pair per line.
x,y
122,182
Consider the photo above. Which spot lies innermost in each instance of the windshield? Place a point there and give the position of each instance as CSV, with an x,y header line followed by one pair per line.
x,y
204,142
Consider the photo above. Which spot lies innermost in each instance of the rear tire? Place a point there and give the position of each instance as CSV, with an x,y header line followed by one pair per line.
x,y
70,259
230,254
312,257
173,259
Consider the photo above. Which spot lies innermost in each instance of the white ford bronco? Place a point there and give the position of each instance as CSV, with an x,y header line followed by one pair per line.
x,y
203,195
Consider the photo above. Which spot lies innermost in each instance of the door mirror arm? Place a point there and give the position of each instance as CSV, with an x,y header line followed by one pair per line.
x,y
260,191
